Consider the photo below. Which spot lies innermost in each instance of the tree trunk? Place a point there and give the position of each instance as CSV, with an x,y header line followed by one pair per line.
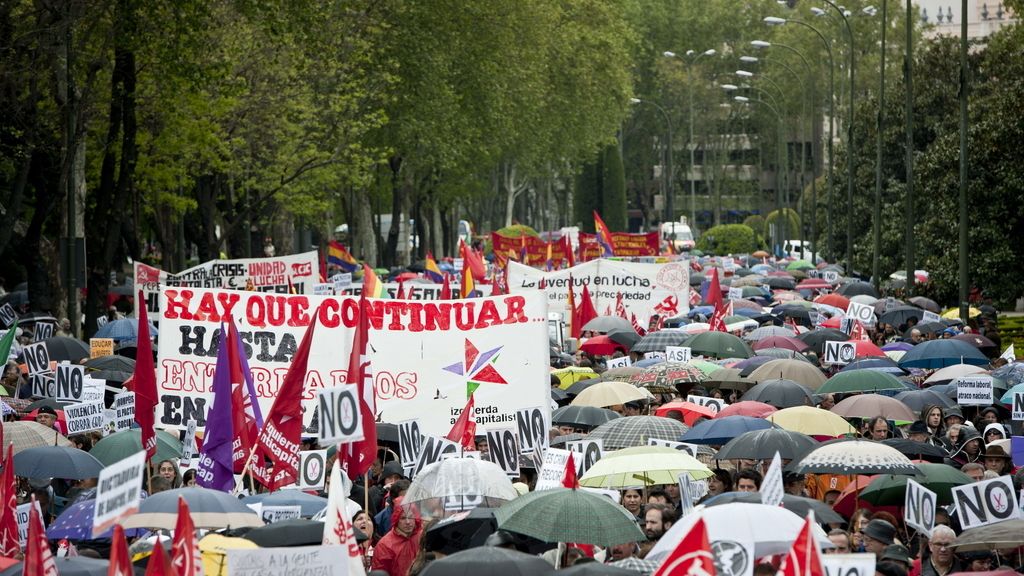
x,y
397,193
364,243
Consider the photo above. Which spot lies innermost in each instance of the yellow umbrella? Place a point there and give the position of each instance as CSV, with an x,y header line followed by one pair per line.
x,y
573,374
643,465
954,313
811,421
214,550
604,394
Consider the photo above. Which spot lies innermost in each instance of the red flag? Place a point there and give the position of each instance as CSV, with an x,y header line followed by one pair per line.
x,y
144,382
575,329
464,429
39,559
361,453
567,249
804,558
620,306
9,546
401,291
243,416
185,549
446,289
159,564
280,438
587,310
569,480
604,237
472,261
120,559
692,556
717,321
636,325
714,297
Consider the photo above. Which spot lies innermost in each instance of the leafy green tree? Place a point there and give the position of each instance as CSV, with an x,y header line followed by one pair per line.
x,y
613,194
729,239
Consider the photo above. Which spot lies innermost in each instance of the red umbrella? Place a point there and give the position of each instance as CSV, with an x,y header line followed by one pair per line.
x,y
747,408
814,284
602,346
833,322
866,348
691,412
406,276
845,504
835,300
787,342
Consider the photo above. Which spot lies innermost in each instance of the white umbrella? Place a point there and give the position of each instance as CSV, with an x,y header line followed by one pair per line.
x,y
864,299
771,529
855,456
457,484
953,372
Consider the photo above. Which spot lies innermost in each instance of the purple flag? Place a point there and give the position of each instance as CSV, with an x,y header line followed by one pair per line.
x,y
1017,450
247,374
216,458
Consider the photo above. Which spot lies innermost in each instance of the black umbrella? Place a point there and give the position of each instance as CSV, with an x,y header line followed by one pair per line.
x,y
56,462
112,362
918,450
797,504
780,283
917,399
489,560
582,416
816,339
387,433
73,566
763,444
462,531
803,316
925,304
900,315
627,338
595,569
857,289
780,392
15,299
63,348
582,385
559,395
294,532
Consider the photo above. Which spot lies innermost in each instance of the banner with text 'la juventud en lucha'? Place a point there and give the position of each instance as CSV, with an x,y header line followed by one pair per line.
x,y
424,354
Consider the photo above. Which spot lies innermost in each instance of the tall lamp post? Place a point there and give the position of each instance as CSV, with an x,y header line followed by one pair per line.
x,y
778,147
691,59
964,85
669,214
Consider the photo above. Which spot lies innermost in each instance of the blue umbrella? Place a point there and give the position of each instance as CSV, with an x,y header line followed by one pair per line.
x,y
56,462
702,310
75,523
942,353
721,430
124,329
648,362
310,504
1012,374
886,365
1007,399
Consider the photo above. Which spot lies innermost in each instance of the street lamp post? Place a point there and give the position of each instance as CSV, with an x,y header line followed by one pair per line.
x,y
778,153
964,82
669,215
693,58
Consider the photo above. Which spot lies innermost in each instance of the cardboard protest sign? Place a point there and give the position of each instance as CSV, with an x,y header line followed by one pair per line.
x,y
118,492
37,358
124,410
1018,406
7,315
714,404
296,560
70,382
553,470
974,391
986,502
84,417
690,449
503,449
312,469
646,289
101,347
21,513
323,289
919,508
840,353
830,276
532,425
42,385
654,354
848,564
621,362
423,355
339,415
678,353
587,452
188,446
43,330
409,442
93,390
434,449
862,312
735,293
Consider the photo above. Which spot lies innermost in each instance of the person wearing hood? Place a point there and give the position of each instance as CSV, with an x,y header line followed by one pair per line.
x,y
969,448
397,550
993,432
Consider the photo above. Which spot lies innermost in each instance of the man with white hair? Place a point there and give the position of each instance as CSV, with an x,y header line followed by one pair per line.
x,y
941,560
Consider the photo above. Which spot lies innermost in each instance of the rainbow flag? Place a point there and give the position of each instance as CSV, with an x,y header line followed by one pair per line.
x,y
372,287
604,236
432,271
468,284
339,256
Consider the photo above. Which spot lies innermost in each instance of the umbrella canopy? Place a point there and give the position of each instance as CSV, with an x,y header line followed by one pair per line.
x,y
890,489
918,450
595,569
772,529
573,374
977,340
883,364
646,465
604,394
720,345
627,338
63,348
953,372
607,324
69,566
636,565
56,462
124,329
763,444
861,381
1012,373
582,385
309,503
816,339
691,411
781,353
624,373
114,367
286,533
214,548
941,353
585,417
721,430
925,304
209,509
657,341
917,399
998,536
470,529
834,300
668,378
780,393
27,434
123,444
796,504
464,482
602,346
871,405
857,288
812,421
787,342
748,408
796,370
855,456
636,431
75,523
567,515
899,315
489,560
767,332
728,378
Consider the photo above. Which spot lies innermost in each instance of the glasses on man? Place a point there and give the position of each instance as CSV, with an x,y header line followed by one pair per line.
x,y
942,545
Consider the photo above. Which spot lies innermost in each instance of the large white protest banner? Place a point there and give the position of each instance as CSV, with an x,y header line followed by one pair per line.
x,y
848,564
423,355
84,417
274,274
646,289
415,290
294,561
118,492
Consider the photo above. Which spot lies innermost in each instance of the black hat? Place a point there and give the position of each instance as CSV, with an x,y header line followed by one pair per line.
x,y
954,412
991,409
46,410
392,468
896,552
880,530
918,427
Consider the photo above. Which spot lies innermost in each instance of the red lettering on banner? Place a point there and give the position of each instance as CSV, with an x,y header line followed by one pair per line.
x,y
329,315
255,311
390,386
276,309
464,322
207,309
438,316
187,376
227,301
395,309
375,310
415,313
177,304
297,314
488,315
514,306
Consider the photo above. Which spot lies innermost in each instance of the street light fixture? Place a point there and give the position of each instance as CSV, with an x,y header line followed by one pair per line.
x,y
744,73
749,59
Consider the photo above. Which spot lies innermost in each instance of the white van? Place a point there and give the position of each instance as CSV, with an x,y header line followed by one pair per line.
x,y
679,234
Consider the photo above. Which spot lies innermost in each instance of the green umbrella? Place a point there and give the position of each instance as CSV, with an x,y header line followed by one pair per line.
x,y
566,515
719,345
704,366
890,490
860,381
121,445
800,265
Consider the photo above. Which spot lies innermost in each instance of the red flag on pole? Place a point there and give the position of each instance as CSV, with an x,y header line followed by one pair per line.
x,y
144,382
569,480
243,417
185,555
120,559
446,289
804,558
575,329
464,429
9,546
620,307
361,453
39,559
714,297
587,310
280,438
692,556
717,321
159,564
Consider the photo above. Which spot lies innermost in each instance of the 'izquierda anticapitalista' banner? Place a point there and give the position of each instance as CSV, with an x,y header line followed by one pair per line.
x,y
423,353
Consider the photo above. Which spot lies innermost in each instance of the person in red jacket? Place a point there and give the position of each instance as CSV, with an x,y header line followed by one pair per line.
x,y
398,548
